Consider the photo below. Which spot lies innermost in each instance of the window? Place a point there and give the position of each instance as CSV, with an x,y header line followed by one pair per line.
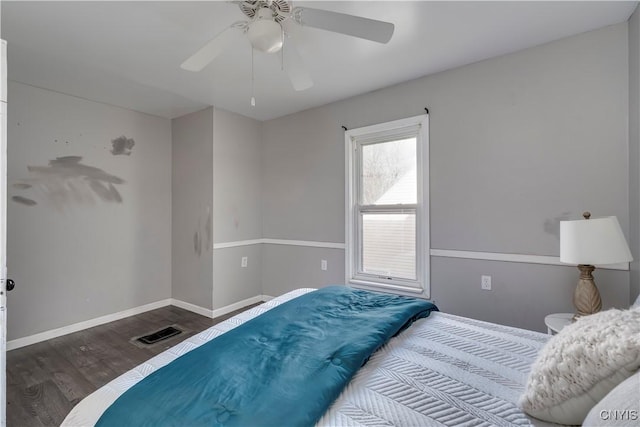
x,y
387,223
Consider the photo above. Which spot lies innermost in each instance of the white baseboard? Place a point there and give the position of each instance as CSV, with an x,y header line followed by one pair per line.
x,y
222,310
192,307
58,332
236,306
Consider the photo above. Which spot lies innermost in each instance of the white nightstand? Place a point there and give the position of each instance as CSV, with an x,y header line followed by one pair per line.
x,y
555,322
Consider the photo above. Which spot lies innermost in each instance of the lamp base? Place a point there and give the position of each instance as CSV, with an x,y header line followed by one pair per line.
x,y
586,297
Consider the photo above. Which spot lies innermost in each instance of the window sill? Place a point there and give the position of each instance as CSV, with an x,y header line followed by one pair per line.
x,y
398,289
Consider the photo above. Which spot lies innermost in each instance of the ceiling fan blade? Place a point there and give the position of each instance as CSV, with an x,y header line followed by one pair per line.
x,y
295,68
357,26
212,49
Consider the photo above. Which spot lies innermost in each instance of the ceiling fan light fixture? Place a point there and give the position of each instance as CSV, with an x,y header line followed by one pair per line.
x,y
264,33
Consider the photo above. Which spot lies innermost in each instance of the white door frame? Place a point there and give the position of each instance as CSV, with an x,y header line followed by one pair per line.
x,y
3,232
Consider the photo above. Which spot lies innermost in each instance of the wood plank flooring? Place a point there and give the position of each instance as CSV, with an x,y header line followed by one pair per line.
x,y
46,380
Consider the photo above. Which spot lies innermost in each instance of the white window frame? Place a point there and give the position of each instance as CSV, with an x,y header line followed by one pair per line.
x,y
417,126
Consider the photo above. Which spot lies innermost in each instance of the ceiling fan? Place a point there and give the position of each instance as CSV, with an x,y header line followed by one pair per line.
x,y
271,22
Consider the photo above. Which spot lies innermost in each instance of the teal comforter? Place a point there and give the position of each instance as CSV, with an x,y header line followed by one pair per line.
x,y
282,368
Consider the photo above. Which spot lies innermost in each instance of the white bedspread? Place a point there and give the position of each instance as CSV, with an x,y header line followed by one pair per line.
x,y
443,370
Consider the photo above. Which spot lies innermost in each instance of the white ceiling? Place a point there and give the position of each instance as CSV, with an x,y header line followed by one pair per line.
x,y
129,53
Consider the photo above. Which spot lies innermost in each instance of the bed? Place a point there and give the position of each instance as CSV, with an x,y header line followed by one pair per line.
x,y
443,370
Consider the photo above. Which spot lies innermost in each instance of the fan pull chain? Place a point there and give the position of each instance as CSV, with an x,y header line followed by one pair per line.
x,y
253,98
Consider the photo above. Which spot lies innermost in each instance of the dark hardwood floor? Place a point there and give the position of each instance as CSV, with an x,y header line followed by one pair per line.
x,y
47,379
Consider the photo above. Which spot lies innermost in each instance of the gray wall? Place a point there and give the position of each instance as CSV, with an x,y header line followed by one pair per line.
x,y
522,293
233,283
192,208
303,183
237,213
216,199
288,267
634,151
516,143
84,242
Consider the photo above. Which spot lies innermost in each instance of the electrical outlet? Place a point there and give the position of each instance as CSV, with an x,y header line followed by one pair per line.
x,y
323,264
485,283
244,261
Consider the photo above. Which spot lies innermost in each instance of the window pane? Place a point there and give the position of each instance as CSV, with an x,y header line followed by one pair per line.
x,y
389,245
389,173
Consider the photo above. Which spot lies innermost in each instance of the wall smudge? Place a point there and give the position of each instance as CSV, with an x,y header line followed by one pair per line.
x,y
70,167
552,226
197,246
106,193
203,236
24,201
21,185
122,146
234,214
66,180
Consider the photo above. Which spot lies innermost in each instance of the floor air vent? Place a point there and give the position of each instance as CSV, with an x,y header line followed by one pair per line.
x,y
160,335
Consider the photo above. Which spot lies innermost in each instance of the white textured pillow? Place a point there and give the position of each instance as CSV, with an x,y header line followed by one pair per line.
x,y
581,364
636,304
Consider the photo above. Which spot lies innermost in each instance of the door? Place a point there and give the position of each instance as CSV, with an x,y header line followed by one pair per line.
x,y
3,232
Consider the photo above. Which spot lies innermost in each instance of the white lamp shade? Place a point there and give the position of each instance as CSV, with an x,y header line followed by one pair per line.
x,y
593,241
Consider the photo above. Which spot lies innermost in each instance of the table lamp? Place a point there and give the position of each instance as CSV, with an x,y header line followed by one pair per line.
x,y
587,242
